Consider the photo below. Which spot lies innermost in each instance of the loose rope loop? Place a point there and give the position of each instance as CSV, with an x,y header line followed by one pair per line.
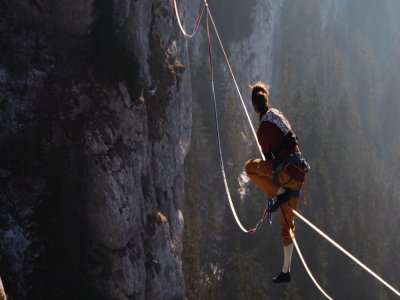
x,y
197,24
294,211
236,85
217,130
259,147
255,135
228,193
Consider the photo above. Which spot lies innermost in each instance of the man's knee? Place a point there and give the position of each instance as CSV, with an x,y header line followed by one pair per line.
x,y
250,165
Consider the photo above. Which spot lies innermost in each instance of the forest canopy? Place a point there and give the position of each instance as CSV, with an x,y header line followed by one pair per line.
x,y
335,74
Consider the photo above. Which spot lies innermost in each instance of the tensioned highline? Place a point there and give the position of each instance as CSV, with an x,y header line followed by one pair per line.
x,y
310,224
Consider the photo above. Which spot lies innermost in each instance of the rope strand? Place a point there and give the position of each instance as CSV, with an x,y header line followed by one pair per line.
x,y
217,129
352,257
197,24
259,147
301,255
294,211
236,85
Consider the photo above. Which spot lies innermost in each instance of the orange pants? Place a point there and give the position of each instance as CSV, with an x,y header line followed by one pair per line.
x,y
260,172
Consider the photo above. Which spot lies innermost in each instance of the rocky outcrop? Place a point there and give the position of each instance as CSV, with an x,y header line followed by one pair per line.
x,y
95,113
255,50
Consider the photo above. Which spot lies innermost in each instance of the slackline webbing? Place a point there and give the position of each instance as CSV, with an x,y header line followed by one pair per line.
x,y
259,147
302,258
352,257
311,225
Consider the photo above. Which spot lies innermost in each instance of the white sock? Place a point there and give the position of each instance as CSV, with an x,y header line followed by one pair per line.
x,y
287,257
280,191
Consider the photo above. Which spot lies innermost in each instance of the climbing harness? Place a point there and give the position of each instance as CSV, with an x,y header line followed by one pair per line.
x,y
295,165
266,211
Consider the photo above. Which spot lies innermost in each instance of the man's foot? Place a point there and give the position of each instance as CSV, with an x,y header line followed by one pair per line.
x,y
280,199
282,277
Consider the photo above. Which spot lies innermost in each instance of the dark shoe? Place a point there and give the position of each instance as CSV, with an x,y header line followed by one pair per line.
x,y
282,277
282,198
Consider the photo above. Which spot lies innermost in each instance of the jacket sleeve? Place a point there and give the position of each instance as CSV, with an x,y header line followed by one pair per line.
x,y
269,137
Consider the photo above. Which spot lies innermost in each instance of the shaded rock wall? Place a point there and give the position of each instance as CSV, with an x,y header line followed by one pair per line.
x,y
95,114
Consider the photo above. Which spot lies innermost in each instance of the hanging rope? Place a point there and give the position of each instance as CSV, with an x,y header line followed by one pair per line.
x,y
217,129
306,267
197,24
234,80
228,193
294,211
302,258
352,257
259,147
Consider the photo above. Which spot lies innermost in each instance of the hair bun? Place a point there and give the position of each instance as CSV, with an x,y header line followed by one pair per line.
x,y
258,88
260,96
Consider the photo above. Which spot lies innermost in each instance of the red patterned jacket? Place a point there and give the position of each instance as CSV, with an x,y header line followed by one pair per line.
x,y
270,136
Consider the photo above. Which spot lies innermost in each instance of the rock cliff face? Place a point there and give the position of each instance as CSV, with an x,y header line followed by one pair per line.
x,y
253,55
95,114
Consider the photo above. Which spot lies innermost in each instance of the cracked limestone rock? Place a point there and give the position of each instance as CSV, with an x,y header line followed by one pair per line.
x,y
95,112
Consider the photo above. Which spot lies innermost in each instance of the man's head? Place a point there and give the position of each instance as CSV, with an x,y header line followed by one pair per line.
x,y
260,97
